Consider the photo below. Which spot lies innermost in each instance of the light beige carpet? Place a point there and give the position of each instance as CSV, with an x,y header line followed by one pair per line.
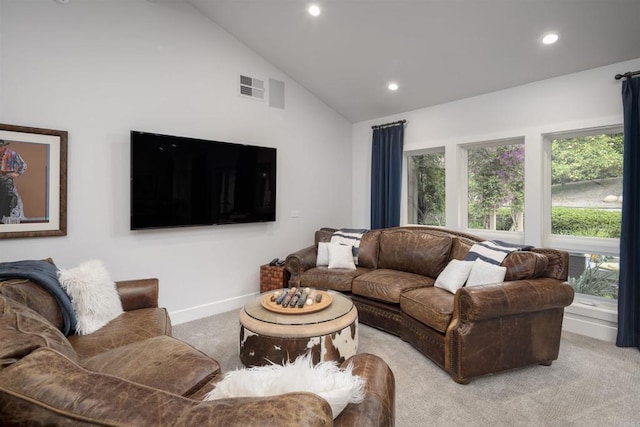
x,y
593,383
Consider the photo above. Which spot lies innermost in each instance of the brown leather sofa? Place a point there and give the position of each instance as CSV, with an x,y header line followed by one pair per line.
x,y
476,331
132,372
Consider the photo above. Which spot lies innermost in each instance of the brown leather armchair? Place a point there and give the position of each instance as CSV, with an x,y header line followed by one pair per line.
x,y
132,372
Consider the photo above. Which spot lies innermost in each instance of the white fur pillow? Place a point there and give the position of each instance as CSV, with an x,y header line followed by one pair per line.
x,y
93,295
336,386
454,275
484,273
341,256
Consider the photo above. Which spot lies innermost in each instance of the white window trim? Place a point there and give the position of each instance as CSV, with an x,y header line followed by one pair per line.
x,y
404,206
600,322
463,201
603,246
590,316
581,317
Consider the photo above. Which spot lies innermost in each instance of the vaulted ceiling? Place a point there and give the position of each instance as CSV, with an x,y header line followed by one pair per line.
x,y
436,50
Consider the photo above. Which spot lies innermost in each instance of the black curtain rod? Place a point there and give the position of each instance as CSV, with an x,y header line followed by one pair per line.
x,y
399,122
627,75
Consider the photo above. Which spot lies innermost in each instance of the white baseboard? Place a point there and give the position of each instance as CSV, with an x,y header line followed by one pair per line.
x,y
205,310
590,321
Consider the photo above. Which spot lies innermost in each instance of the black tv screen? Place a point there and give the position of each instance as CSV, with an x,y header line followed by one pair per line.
x,y
180,182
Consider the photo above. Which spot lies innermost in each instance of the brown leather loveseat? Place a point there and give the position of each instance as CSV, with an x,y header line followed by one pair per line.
x,y
132,372
476,331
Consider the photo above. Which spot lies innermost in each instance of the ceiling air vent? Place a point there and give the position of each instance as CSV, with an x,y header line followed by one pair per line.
x,y
252,88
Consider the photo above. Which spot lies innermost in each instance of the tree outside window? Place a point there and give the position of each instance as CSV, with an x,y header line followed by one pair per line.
x,y
585,193
496,187
426,189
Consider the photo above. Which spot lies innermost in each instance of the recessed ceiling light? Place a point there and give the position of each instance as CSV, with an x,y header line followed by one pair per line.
x,y
314,10
550,38
392,86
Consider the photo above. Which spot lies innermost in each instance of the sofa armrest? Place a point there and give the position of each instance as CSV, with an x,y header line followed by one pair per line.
x,y
46,387
378,407
137,294
509,298
299,262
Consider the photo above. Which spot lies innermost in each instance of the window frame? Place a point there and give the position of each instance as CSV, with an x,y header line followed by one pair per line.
x,y
577,244
590,316
600,245
408,155
513,236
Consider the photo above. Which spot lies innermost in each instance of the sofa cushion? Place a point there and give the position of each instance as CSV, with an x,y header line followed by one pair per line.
x,y
414,251
341,256
431,306
485,273
323,235
369,248
459,247
22,331
129,327
367,251
184,369
454,275
322,258
524,265
387,285
46,388
325,278
34,296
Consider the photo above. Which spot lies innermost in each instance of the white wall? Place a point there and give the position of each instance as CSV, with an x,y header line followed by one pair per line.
x,y
587,99
577,101
101,68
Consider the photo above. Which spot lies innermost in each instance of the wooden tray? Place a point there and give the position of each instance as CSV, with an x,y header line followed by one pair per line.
x,y
316,306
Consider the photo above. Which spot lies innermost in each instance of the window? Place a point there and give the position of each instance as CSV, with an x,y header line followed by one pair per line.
x,y
495,187
426,188
586,209
586,185
594,276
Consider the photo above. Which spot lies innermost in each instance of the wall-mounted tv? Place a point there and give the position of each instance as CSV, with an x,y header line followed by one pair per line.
x,y
179,182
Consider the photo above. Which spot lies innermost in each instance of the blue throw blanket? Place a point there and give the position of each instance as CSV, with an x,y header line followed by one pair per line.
x,y
44,274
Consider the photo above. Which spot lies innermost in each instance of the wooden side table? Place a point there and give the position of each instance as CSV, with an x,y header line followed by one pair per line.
x,y
273,277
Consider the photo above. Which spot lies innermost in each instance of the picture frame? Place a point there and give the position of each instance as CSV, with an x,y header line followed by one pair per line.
x,y
33,182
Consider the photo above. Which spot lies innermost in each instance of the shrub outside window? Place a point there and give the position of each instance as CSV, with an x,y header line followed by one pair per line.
x,y
586,185
594,275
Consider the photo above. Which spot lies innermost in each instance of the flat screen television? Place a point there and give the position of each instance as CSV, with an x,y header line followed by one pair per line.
x,y
180,182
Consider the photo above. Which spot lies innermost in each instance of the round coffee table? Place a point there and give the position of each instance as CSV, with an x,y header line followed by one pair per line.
x,y
330,334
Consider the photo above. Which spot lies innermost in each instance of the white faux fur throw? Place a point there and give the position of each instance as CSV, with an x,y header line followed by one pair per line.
x,y
337,386
93,295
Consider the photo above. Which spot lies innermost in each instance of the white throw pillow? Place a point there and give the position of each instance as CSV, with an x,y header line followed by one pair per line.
x,y
341,256
337,386
484,273
93,295
323,254
454,275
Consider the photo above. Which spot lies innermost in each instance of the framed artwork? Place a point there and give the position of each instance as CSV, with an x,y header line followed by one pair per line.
x,y
33,182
